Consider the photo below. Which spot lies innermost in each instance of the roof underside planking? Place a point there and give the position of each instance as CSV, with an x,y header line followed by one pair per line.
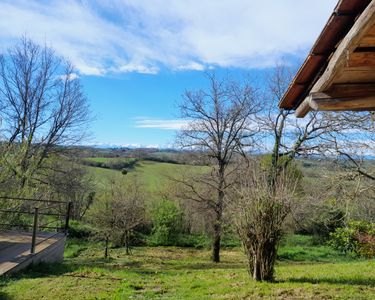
x,y
339,72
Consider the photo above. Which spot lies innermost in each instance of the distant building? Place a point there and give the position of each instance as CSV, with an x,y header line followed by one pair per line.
x,y
339,72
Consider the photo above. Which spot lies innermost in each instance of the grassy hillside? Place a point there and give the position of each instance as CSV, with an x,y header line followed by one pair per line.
x,y
304,269
108,159
153,176
183,273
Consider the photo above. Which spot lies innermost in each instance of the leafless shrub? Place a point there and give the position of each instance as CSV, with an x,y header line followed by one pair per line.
x,y
259,211
118,214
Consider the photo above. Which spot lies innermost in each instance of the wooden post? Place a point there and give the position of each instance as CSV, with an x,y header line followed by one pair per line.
x,y
35,228
69,209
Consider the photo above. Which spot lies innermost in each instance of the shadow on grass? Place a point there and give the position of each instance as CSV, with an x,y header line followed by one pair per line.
x,y
55,269
208,266
346,281
70,268
77,269
5,296
41,270
165,265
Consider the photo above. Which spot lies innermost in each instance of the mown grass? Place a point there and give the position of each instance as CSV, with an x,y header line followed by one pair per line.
x,y
300,248
153,176
108,159
186,273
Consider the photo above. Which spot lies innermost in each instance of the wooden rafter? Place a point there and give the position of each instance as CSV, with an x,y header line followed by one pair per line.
x,y
355,62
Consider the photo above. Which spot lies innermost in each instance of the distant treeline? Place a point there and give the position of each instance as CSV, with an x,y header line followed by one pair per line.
x,y
164,159
116,164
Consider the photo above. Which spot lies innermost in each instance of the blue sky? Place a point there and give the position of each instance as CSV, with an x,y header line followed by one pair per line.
x,y
135,58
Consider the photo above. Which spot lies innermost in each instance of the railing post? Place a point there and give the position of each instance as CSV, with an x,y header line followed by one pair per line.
x,y
67,217
35,228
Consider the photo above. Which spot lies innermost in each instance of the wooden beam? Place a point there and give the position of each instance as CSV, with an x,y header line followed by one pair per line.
x,y
369,39
338,60
325,102
303,108
336,65
322,101
341,92
361,59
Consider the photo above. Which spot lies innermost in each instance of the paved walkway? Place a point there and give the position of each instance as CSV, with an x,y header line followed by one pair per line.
x,y
15,247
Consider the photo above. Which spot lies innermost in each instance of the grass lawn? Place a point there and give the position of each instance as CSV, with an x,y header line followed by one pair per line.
x,y
108,159
184,273
153,176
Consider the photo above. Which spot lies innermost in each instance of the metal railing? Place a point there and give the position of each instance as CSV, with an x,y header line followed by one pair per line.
x,y
35,211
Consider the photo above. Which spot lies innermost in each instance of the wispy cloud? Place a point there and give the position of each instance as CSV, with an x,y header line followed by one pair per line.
x,y
193,66
161,124
69,77
105,36
126,145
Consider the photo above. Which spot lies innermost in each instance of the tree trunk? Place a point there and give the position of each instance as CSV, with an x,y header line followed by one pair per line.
x,y
216,242
262,261
217,228
127,245
256,268
106,247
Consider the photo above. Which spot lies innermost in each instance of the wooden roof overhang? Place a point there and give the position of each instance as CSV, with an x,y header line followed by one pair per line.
x,y
339,72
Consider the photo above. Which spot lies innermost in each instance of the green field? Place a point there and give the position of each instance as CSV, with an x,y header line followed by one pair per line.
x,y
185,273
304,270
153,176
108,159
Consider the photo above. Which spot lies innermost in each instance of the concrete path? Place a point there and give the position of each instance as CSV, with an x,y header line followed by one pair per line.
x,y
15,249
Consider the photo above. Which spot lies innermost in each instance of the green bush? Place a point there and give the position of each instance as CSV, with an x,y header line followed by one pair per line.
x,y
327,221
293,170
230,240
192,240
167,221
79,230
322,221
358,238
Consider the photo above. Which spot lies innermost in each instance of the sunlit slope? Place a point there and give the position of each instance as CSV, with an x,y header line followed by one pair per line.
x,y
154,177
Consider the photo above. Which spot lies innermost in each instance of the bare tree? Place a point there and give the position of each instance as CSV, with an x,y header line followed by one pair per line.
x,y
354,194
259,211
42,106
352,151
128,210
67,180
294,137
355,144
116,216
219,128
100,215
347,134
265,197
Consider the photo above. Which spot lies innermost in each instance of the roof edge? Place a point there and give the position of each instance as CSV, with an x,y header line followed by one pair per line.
x,y
338,25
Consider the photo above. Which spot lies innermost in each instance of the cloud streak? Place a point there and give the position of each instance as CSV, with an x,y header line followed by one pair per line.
x,y
102,37
163,124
